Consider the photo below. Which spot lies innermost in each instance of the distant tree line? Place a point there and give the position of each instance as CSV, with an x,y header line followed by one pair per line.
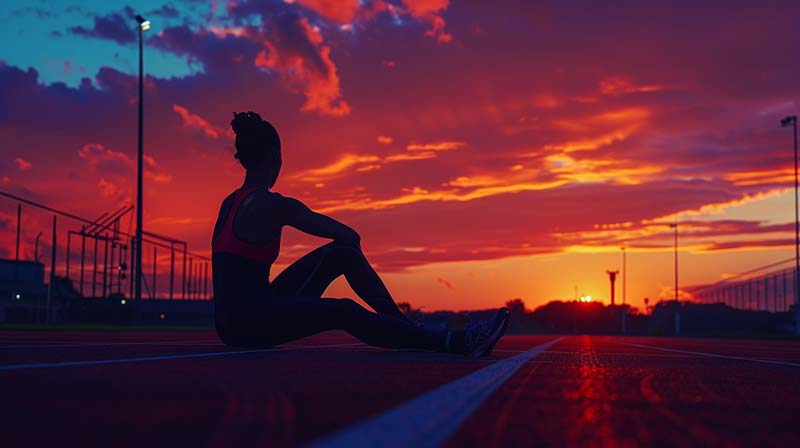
x,y
573,317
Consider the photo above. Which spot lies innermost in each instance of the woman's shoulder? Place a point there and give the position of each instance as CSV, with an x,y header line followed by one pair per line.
x,y
273,201
275,198
280,198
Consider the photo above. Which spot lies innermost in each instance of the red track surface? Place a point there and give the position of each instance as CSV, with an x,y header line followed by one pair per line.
x,y
583,391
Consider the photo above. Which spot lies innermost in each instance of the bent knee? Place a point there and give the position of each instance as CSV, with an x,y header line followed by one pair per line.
x,y
344,251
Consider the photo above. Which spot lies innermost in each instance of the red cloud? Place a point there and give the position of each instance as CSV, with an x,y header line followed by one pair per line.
x,y
616,85
113,163
109,189
422,8
343,11
199,123
23,164
105,159
295,49
429,11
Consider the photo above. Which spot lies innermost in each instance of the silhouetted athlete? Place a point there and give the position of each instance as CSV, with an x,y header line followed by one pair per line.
x,y
251,311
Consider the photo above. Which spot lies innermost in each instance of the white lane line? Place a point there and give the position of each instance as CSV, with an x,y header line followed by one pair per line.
x,y
176,342
715,355
430,419
115,344
95,362
40,342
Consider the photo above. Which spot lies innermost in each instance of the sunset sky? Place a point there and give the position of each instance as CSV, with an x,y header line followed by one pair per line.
x,y
484,150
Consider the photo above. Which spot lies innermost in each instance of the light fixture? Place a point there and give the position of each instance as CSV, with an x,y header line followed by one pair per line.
x,y
144,24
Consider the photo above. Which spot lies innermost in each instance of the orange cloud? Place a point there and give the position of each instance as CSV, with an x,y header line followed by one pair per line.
x,y
366,162
419,194
697,236
23,164
621,172
404,156
337,168
764,177
435,146
198,123
622,123
315,74
384,139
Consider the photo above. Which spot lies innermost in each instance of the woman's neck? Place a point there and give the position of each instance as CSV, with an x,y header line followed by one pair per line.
x,y
255,180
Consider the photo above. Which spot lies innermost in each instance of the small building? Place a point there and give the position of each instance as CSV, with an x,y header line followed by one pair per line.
x,y
21,277
22,288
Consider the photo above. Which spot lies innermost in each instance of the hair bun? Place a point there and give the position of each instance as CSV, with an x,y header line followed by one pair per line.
x,y
246,122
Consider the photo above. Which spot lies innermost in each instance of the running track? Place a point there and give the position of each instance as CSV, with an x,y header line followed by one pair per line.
x,y
146,389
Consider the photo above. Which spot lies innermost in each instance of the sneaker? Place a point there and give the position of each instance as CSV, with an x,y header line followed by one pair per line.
x,y
506,321
479,339
431,324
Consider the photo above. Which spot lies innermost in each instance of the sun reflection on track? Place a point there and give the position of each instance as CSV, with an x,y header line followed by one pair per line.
x,y
591,426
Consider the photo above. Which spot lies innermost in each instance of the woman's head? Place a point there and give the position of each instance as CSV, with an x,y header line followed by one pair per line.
x,y
258,146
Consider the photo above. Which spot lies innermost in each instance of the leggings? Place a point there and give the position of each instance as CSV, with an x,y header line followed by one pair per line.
x,y
296,308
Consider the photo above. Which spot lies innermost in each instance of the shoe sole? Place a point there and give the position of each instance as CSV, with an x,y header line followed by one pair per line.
x,y
491,341
489,349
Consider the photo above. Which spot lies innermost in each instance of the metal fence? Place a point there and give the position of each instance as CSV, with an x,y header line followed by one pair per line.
x,y
97,256
774,290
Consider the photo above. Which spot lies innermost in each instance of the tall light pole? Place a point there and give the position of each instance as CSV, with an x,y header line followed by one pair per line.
x,y
675,226
792,119
624,275
144,25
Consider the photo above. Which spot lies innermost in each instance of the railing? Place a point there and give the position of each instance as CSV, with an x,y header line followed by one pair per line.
x,y
98,257
774,290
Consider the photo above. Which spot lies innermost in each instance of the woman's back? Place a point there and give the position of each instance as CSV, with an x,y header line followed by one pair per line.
x,y
245,243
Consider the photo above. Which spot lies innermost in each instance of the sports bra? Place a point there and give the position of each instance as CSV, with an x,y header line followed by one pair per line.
x,y
227,242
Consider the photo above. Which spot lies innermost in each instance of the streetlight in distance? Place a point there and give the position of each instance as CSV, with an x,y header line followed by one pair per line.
x,y
675,226
786,121
624,275
144,25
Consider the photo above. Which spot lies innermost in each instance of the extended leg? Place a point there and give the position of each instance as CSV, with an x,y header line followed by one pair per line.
x,y
291,318
314,272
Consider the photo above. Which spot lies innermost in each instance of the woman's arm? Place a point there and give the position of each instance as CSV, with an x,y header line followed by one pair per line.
x,y
299,216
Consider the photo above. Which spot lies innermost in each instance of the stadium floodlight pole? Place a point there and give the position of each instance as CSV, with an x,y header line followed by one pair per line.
x,y
144,25
675,226
792,119
624,275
